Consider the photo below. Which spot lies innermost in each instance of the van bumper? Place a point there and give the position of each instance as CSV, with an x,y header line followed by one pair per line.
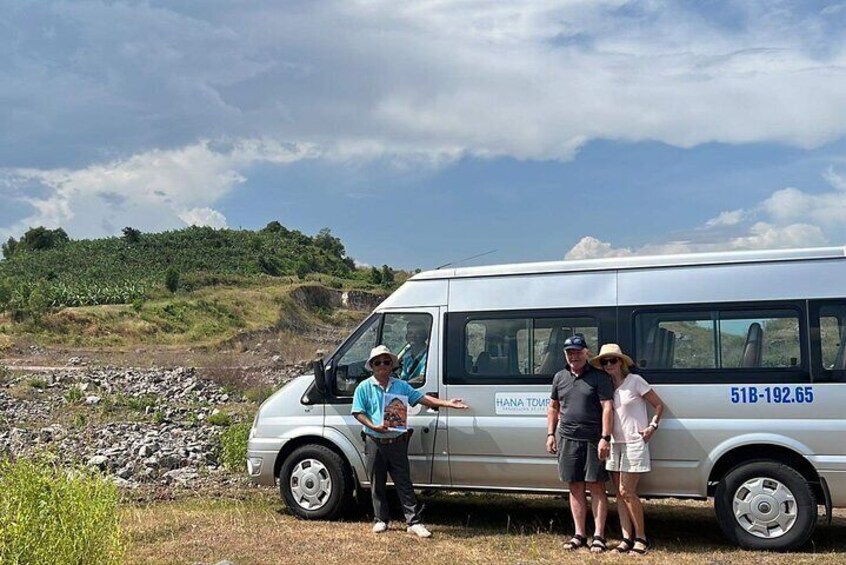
x,y
261,460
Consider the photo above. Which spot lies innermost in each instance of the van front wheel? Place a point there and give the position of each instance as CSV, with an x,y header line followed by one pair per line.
x,y
315,483
765,505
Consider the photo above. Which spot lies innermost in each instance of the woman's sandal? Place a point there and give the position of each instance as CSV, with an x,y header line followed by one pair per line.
x,y
624,546
598,545
644,546
578,541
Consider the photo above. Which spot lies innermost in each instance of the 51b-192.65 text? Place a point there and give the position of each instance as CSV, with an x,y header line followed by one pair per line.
x,y
772,394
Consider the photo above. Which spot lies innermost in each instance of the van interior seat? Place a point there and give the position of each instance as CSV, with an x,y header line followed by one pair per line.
x,y
487,364
553,357
753,348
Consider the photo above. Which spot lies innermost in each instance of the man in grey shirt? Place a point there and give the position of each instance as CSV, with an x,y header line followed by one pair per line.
x,y
579,420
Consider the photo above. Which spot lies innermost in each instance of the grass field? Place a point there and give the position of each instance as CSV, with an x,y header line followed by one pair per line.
x,y
468,528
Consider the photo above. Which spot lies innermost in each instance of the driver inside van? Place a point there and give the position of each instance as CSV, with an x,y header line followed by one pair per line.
x,y
412,357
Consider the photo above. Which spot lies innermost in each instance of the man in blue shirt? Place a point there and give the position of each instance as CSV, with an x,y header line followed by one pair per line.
x,y
386,451
412,357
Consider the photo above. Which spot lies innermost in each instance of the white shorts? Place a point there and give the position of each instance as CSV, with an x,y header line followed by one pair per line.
x,y
632,457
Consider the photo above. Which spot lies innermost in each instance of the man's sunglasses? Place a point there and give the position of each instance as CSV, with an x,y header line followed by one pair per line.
x,y
380,362
608,361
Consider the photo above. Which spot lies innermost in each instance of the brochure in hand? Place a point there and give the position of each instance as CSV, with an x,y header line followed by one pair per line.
x,y
396,412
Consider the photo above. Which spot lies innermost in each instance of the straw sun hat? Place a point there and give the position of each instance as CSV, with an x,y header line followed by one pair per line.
x,y
611,350
378,351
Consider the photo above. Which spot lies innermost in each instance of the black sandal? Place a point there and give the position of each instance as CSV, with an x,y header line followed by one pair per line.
x,y
576,542
624,546
640,550
598,545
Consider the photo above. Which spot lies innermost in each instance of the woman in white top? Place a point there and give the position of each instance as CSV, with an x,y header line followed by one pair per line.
x,y
629,441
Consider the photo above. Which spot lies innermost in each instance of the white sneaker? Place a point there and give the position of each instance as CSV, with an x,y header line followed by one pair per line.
x,y
420,530
380,527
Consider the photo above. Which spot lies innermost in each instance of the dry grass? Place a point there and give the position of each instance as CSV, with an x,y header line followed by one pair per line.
x,y
467,529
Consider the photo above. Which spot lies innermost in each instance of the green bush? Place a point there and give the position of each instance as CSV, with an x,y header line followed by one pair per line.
x,y
258,393
57,516
233,446
172,279
220,419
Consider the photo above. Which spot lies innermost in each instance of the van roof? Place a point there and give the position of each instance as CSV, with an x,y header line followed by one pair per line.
x,y
637,262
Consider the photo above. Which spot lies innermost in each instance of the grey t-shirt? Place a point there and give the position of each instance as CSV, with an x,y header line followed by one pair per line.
x,y
580,416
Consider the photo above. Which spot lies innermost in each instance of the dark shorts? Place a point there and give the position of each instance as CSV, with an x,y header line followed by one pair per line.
x,y
578,461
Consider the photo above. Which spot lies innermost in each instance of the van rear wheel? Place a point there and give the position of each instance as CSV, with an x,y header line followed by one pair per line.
x,y
766,505
315,483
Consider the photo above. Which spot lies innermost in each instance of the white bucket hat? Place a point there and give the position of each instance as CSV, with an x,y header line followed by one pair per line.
x,y
611,350
378,351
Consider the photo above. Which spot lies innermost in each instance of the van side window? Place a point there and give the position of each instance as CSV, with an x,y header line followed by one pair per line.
x,y
767,340
349,370
502,347
832,334
718,339
408,335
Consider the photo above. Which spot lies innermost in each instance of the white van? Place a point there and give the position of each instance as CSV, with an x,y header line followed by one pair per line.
x,y
746,349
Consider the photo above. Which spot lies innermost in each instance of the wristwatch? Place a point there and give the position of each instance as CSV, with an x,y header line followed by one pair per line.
x,y
654,424
606,438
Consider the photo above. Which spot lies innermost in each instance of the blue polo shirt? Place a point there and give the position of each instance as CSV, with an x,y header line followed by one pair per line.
x,y
369,398
413,368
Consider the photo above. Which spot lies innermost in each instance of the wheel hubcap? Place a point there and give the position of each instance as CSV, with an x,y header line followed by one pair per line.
x,y
311,484
764,507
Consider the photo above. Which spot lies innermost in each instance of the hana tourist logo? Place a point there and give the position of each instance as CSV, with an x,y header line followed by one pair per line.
x,y
522,403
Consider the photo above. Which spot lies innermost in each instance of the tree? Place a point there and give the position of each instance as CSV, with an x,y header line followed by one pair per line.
x,y
131,235
387,276
375,276
326,241
9,248
40,238
303,268
275,227
172,279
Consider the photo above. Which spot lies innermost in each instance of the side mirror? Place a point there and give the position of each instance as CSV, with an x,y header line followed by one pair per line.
x,y
320,378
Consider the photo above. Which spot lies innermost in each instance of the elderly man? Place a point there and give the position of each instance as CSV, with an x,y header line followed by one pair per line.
x,y
579,420
412,357
386,451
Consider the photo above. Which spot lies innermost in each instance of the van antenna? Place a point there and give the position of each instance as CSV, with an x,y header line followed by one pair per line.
x,y
467,259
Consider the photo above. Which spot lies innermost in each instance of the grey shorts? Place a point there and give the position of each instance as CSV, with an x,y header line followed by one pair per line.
x,y
578,461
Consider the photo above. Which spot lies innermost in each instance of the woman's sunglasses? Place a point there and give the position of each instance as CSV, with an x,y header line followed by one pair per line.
x,y
379,362
608,361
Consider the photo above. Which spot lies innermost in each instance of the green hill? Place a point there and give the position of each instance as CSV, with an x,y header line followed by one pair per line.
x,y
45,269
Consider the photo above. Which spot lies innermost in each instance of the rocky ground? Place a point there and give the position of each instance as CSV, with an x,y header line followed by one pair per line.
x,y
143,427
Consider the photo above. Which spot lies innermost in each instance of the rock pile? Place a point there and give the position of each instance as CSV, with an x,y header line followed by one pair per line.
x,y
138,425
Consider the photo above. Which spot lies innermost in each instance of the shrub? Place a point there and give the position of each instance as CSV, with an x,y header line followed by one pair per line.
x,y
258,393
172,279
51,515
37,382
73,395
131,235
220,419
233,446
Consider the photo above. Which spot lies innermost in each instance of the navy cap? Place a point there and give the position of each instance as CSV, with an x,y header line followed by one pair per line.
x,y
575,342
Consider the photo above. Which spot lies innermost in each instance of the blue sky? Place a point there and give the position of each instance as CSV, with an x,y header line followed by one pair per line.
x,y
425,132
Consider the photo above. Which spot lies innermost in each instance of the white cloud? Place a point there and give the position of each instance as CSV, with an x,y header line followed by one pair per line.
x,y
731,218
530,80
835,179
591,248
204,217
788,218
154,191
